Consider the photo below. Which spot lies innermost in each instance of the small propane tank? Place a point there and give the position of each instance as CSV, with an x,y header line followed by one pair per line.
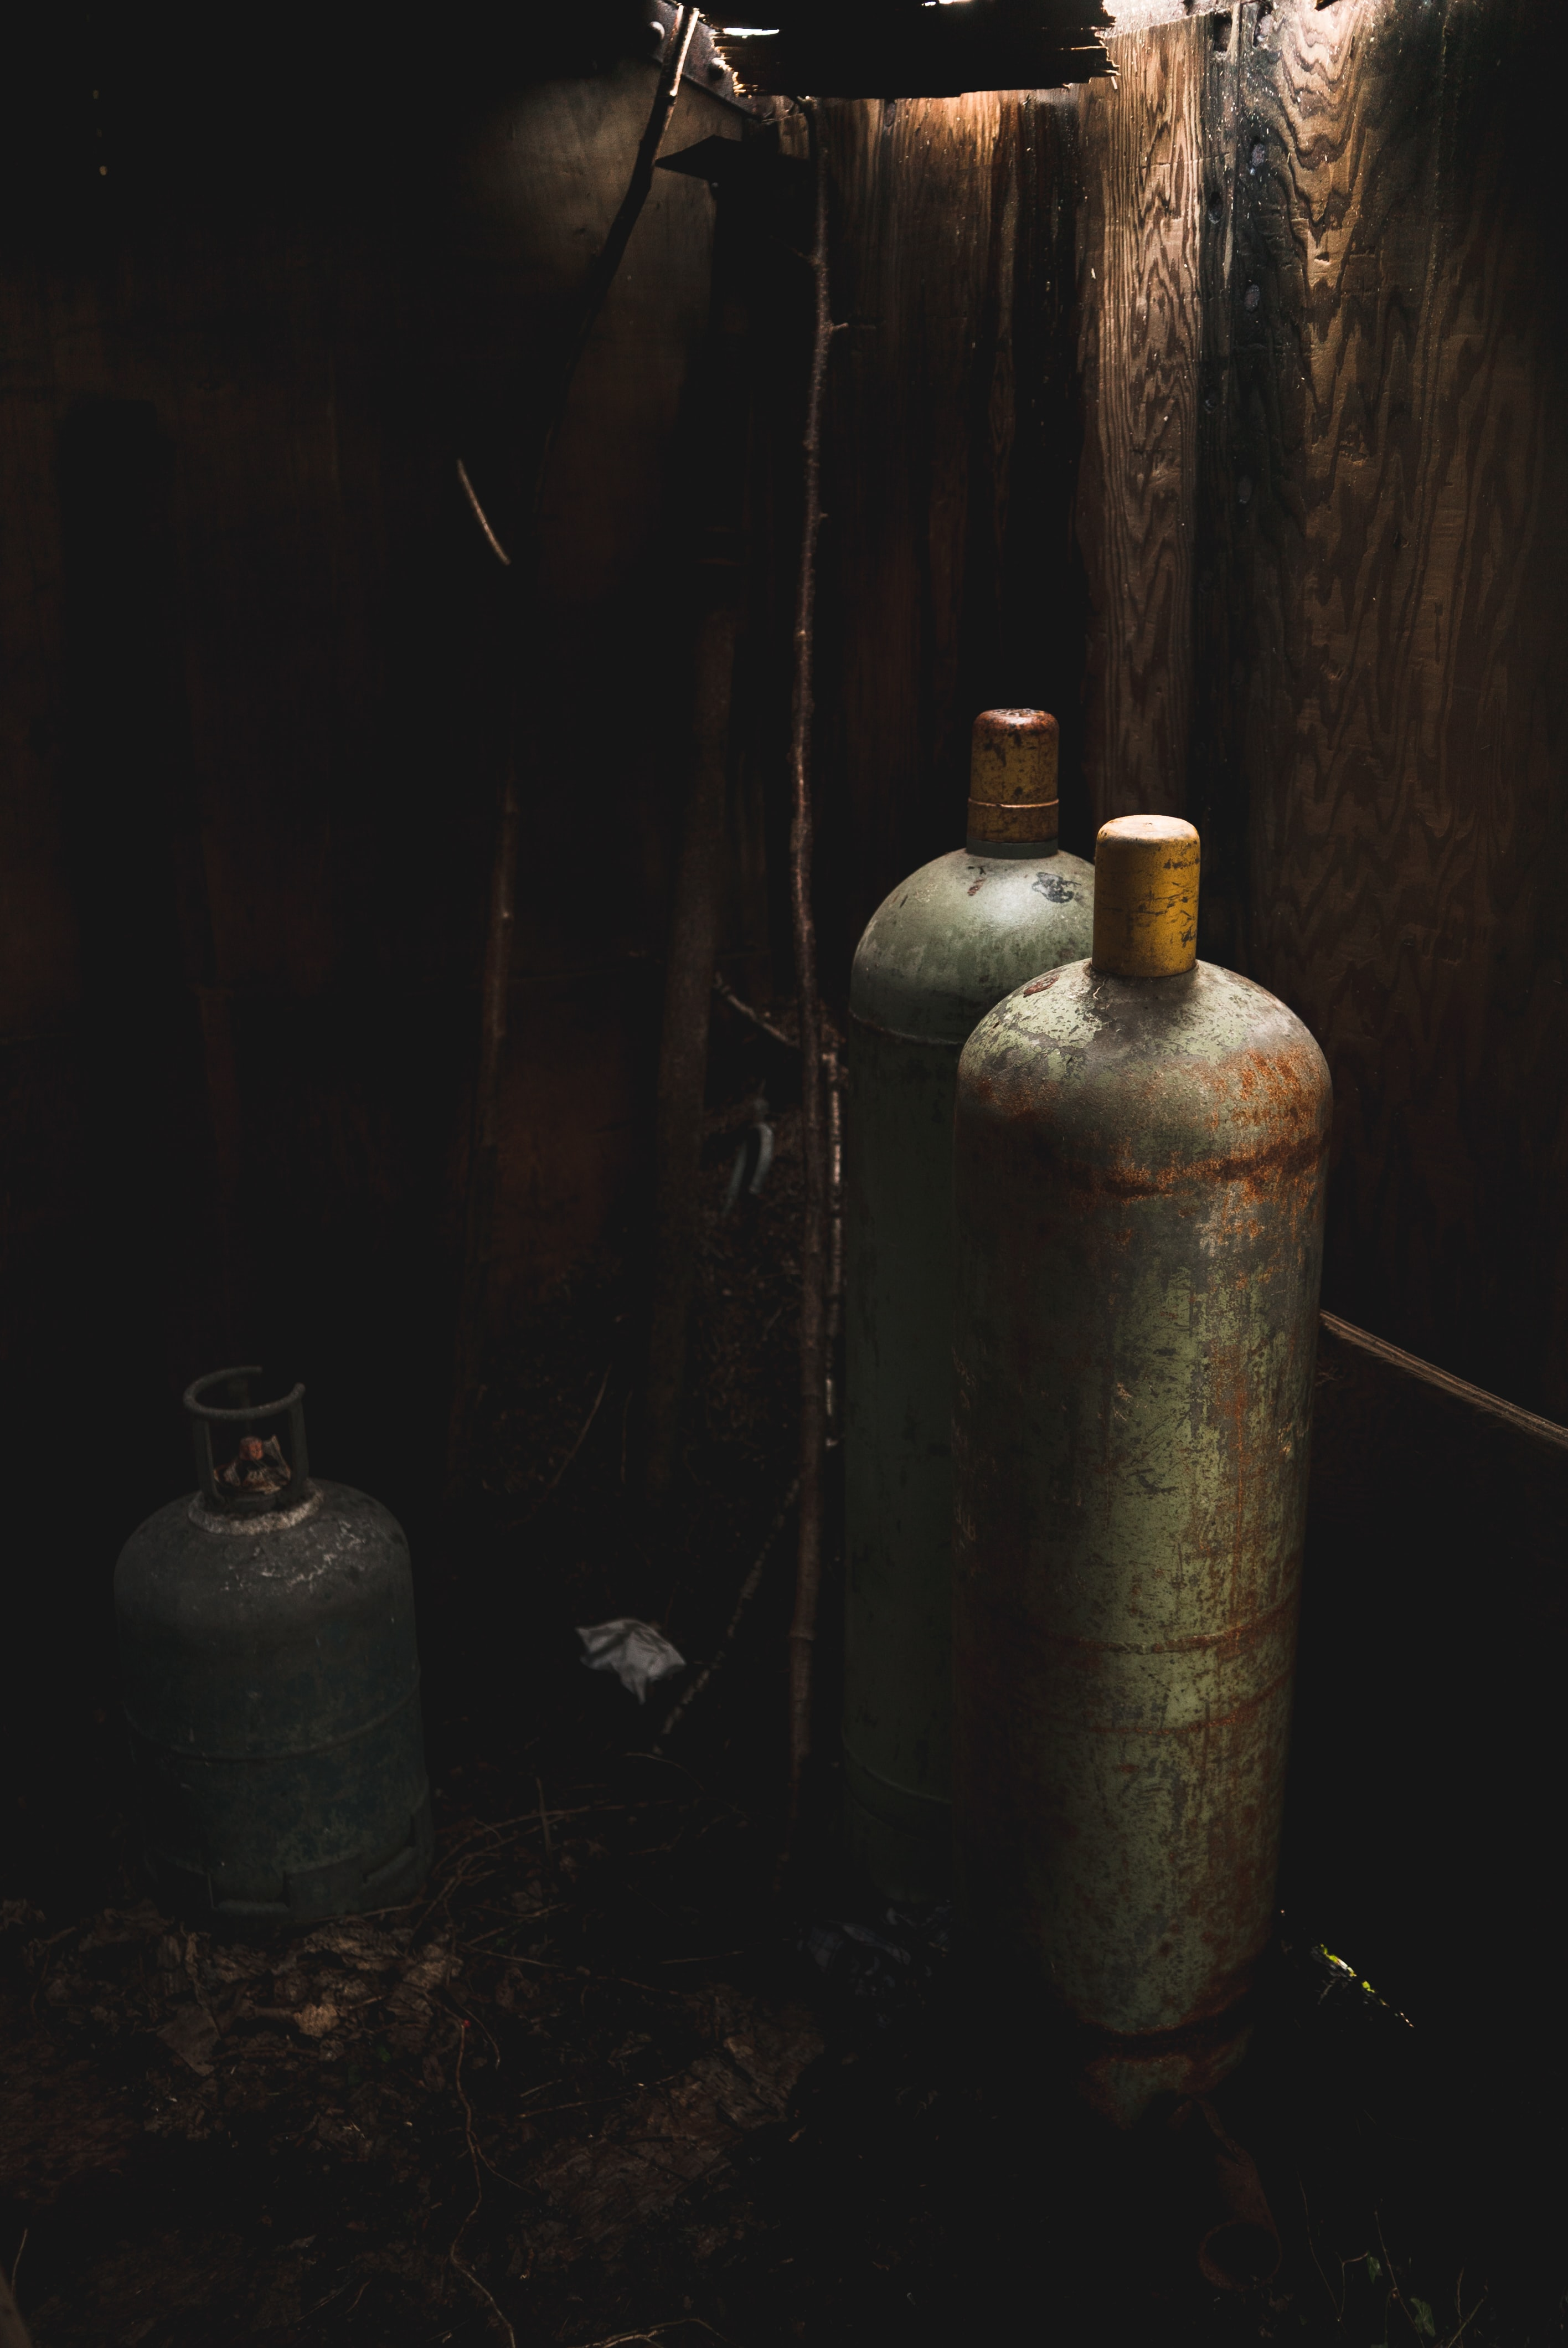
x,y
1141,1143
271,1680
946,946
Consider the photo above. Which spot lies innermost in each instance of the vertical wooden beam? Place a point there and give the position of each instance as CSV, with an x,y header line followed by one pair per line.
x,y
813,1236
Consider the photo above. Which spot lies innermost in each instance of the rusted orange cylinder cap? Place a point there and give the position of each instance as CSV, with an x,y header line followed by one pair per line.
x,y
1145,897
1013,774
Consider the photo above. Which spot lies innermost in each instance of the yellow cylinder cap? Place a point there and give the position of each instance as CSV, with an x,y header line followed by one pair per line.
x,y
1145,897
1013,774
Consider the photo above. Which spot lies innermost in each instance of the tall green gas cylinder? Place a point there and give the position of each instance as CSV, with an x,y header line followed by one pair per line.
x,y
1140,1150
271,1681
945,946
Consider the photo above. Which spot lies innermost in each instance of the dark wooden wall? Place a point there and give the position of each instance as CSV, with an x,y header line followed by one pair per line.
x,y
1427,1773
951,579
254,657
1325,491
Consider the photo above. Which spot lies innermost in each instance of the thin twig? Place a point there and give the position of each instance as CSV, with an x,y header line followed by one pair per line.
x,y
726,994
667,1762
1393,2278
621,2339
515,1922
616,2094
544,1818
581,1440
484,1144
749,1589
813,1250
530,1818
607,259
478,2019
17,2260
1337,2304
479,514
467,2272
1454,2337
832,1079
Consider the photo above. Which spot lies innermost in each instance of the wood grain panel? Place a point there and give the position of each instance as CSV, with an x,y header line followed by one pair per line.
x,y
910,267
1138,287
1354,522
1397,694
949,581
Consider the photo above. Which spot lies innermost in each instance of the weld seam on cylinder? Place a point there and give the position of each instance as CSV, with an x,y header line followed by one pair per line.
x,y
277,1752
897,1036
1124,1183
1209,1720
1148,2045
1200,1642
1014,820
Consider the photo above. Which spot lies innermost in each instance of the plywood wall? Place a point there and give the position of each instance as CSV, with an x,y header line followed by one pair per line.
x,y
1326,489
949,578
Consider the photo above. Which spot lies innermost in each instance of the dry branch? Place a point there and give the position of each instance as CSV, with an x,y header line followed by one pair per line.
x,y
749,1589
467,2272
814,1133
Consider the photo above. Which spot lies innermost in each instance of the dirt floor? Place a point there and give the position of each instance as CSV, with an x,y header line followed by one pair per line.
x,y
600,2083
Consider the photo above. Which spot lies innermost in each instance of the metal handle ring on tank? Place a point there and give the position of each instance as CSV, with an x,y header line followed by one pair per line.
x,y
224,1489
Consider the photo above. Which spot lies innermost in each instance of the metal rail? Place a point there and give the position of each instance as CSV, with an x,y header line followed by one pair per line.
x,y
1410,1365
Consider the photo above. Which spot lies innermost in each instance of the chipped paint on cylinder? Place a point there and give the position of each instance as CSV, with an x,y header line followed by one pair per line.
x,y
936,956
1138,1191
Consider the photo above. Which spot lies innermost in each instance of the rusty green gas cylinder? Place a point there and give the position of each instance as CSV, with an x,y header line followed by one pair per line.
x,y
946,946
1141,1143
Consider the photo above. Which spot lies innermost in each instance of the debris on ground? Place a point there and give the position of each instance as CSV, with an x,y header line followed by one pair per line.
x,y
636,1652
483,2031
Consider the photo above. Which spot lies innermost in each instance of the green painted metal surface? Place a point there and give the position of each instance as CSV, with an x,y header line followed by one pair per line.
x,y
270,1684
941,950
1139,1196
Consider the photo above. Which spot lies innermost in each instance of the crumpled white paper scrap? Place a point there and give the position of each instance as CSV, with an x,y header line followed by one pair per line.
x,y
635,1651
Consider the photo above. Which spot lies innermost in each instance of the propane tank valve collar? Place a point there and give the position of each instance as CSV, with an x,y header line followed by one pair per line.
x,y
264,1476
